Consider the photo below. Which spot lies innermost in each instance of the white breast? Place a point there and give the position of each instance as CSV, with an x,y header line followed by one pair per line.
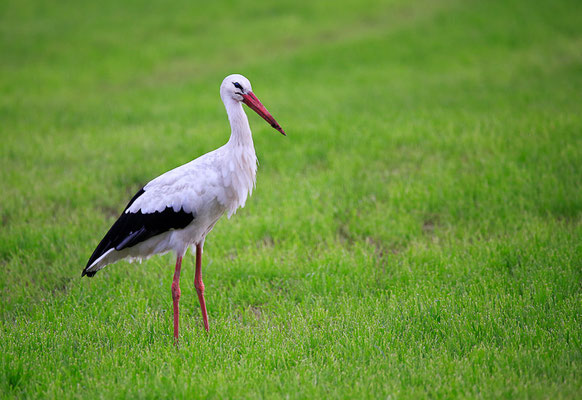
x,y
238,175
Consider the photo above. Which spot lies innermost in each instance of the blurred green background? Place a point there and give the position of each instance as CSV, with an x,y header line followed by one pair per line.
x,y
417,234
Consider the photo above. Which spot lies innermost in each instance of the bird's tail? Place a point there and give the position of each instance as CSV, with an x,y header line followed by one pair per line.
x,y
90,274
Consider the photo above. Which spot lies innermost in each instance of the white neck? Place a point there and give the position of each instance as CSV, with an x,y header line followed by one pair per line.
x,y
241,155
239,124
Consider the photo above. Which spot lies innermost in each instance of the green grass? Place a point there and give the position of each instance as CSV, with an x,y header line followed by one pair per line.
x,y
418,233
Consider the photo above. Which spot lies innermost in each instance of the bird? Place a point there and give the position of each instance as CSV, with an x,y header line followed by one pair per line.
x,y
178,209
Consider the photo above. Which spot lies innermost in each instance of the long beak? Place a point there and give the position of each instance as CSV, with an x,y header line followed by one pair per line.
x,y
251,100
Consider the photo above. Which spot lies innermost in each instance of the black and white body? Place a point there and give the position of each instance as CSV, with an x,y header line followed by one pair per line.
x,y
179,208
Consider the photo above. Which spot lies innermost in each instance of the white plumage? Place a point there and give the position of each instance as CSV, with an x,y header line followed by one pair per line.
x,y
179,208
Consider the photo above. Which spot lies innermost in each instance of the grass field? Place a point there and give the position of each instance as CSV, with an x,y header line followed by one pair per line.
x,y
417,234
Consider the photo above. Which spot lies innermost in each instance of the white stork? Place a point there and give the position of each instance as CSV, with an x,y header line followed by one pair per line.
x,y
179,208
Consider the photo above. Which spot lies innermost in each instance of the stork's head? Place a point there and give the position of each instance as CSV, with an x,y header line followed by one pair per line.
x,y
238,88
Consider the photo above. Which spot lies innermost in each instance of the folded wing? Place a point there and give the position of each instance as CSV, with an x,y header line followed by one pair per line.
x,y
135,227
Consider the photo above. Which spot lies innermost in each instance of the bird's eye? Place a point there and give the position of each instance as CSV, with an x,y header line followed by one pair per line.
x,y
237,85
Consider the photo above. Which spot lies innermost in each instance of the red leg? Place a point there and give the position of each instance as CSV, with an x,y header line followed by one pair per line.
x,y
199,285
176,296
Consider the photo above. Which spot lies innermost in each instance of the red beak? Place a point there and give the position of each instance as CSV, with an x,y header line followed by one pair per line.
x,y
251,100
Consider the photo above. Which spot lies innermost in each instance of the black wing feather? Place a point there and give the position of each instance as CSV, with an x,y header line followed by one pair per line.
x,y
133,228
131,239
